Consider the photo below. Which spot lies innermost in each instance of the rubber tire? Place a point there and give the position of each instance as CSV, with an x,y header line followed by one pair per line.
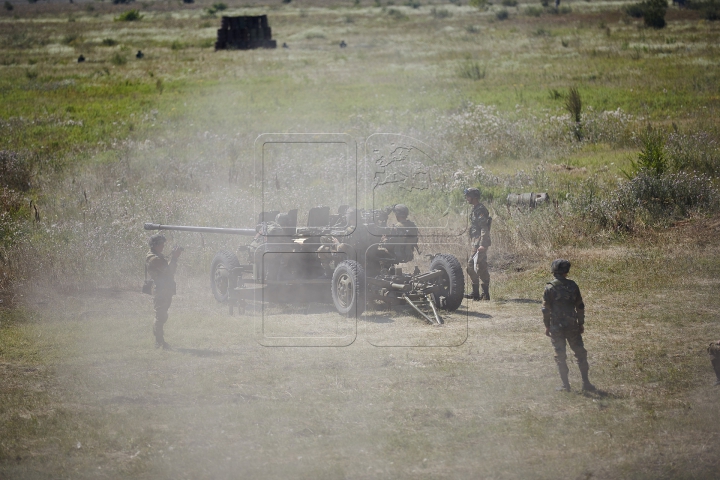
x,y
226,261
348,280
453,280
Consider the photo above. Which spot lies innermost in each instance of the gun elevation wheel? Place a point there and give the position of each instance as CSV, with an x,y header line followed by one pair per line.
x,y
220,281
451,284
348,288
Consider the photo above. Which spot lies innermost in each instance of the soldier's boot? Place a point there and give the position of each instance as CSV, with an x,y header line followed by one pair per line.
x,y
475,295
716,366
485,292
587,386
159,337
563,370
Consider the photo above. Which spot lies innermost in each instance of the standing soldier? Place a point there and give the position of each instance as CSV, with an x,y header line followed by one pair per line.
x,y
714,351
162,272
564,317
404,232
477,268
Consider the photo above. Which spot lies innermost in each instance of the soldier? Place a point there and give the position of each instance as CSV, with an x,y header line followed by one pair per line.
x,y
564,317
162,272
714,351
404,233
480,222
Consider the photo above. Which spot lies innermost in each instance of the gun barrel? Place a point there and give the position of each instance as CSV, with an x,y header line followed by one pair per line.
x,y
249,232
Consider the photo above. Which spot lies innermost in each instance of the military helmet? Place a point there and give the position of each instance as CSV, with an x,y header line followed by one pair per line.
x,y
283,219
156,239
472,192
560,266
401,210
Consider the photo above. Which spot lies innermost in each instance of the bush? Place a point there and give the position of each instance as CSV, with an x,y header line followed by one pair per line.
x,y
8,6
413,4
118,59
647,200
573,104
654,13
502,15
635,10
109,42
440,13
651,158
472,70
129,16
533,11
697,151
15,171
481,4
509,3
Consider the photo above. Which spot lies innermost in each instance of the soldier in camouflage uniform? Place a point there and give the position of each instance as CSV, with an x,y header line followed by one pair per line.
x,y
404,234
714,351
162,272
480,222
564,317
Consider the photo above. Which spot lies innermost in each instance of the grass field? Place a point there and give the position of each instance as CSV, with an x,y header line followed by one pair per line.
x,y
92,150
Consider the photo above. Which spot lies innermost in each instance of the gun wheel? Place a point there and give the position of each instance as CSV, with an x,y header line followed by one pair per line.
x,y
348,288
451,285
220,278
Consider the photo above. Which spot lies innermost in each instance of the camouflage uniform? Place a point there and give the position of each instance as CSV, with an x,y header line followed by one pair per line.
x,y
477,267
162,272
404,234
564,317
714,351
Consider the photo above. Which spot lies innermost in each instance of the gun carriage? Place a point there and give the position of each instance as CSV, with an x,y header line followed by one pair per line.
x,y
358,263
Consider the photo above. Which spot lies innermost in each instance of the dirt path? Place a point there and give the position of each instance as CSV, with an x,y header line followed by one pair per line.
x,y
220,405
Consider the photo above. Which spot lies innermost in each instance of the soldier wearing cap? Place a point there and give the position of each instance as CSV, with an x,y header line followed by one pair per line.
x,y
403,234
480,222
714,351
563,313
162,272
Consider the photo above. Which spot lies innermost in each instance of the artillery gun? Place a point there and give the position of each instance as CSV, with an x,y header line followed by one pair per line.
x,y
287,263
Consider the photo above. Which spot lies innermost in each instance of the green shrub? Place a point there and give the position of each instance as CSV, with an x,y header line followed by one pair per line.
x,y
129,16
118,59
654,13
72,39
651,158
635,10
109,42
219,7
481,4
573,104
509,3
533,11
650,200
440,13
15,171
502,15
413,3
472,70
696,151
396,14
